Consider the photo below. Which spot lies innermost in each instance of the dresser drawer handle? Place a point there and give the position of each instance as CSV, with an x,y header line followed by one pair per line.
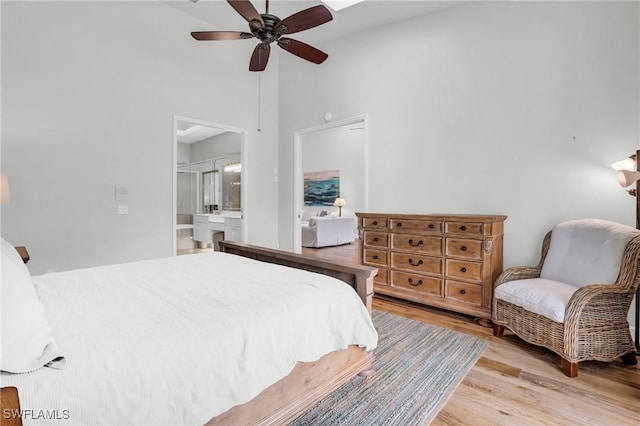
x,y
418,263
463,228
414,284
376,239
399,224
463,291
375,257
375,223
463,269
414,244
431,226
463,248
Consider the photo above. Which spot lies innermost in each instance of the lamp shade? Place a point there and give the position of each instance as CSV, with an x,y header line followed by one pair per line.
x,y
4,189
339,202
628,163
627,177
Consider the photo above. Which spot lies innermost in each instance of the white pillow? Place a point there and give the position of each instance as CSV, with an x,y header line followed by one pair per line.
x,y
26,343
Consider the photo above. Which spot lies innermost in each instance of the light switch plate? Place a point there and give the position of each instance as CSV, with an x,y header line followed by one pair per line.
x,y
122,193
123,209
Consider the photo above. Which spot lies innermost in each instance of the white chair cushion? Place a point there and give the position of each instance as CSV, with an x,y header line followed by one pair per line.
x,y
586,251
544,297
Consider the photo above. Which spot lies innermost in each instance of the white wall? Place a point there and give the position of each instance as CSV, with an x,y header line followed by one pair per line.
x,y
514,108
183,153
89,92
223,144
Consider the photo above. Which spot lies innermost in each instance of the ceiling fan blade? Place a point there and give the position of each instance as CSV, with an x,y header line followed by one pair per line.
x,y
260,57
302,50
304,20
248,12
220,35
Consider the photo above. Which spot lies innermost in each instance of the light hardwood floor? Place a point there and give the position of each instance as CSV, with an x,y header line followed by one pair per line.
x,y
515,383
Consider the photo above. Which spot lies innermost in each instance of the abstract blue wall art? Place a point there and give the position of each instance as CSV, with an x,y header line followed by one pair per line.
x,y
321,188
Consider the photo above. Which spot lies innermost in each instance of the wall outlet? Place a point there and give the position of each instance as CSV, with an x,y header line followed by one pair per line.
x,y
123,209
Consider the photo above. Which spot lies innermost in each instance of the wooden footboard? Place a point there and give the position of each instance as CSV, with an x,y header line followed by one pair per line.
x,y
307,384
358,277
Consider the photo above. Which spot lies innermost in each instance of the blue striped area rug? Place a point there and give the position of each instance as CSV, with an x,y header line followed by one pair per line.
x,y
417,367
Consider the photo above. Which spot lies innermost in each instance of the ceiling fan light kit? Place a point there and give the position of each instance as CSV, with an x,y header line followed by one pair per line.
x,y
269,28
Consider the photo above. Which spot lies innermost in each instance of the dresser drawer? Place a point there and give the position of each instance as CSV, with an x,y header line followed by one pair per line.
x,y
382,277
461,269
469,249
416,282
416,225
376,239
463,228
368,222
417,243
416,263
465,292
375,257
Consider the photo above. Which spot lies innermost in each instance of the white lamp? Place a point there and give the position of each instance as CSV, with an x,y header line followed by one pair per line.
x,y
627,177
628,163
340,203
4,189
626,173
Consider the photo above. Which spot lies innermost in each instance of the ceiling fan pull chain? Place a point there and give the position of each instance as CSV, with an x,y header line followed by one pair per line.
x,y
259,91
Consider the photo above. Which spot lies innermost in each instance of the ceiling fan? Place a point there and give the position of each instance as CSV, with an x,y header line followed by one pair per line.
x,y
269,28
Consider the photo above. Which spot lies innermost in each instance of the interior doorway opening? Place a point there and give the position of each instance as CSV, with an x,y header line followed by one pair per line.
x,y
209,184
336,155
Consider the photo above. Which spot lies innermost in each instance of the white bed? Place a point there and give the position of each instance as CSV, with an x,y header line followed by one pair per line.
x,y
159,341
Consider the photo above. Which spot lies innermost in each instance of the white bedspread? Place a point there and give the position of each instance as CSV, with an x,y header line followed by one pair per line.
x,y
182,339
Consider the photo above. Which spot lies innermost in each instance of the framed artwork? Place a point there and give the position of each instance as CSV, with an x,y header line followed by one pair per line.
x,y
321,188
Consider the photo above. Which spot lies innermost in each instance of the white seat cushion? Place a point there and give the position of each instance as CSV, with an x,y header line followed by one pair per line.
x,y
540,295
586,251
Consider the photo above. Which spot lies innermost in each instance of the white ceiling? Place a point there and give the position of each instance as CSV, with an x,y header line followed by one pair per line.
x,y
191,133
219,15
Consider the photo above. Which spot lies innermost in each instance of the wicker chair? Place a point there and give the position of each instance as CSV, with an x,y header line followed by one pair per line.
x,y
590,317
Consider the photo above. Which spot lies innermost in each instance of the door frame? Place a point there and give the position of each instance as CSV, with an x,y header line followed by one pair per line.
x,y
297,169
244,159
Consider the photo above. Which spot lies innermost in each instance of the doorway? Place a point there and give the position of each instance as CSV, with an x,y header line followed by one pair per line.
x,y
209,178
342,147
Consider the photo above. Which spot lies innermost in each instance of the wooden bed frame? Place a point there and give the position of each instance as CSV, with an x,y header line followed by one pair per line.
x,y
309,382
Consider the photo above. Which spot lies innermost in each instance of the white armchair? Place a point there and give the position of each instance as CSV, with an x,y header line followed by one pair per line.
x,y
328,231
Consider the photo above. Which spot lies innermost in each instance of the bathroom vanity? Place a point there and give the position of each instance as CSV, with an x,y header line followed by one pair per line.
x,y
206,225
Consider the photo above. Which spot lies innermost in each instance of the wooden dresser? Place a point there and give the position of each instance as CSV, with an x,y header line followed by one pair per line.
x,y
447,261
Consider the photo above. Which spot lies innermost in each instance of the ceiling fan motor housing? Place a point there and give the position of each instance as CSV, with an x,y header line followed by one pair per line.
x,y
267,33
